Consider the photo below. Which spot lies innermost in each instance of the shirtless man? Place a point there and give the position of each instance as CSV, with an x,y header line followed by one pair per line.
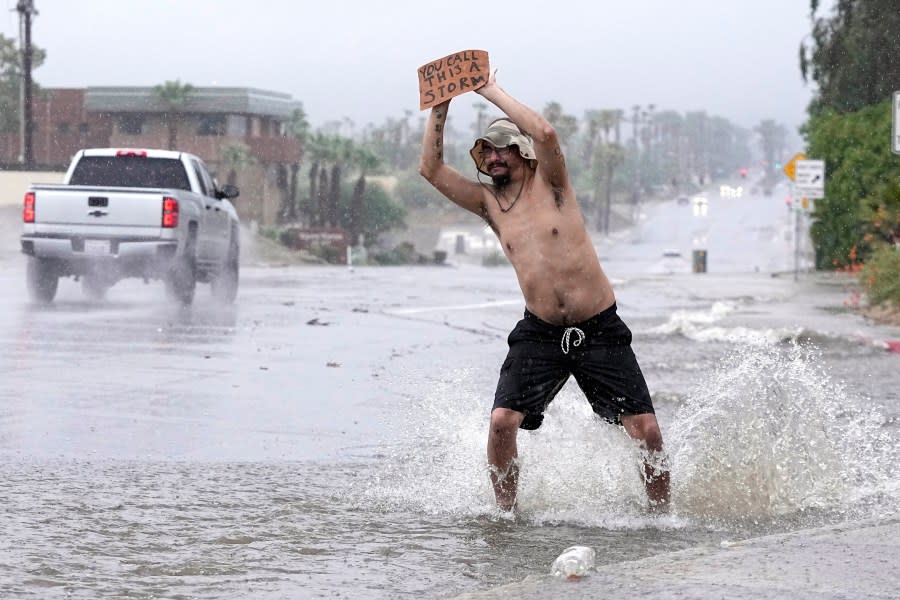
x,y
570,325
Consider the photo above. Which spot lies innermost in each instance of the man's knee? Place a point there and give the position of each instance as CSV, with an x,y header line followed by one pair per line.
x,y
505,422
644,428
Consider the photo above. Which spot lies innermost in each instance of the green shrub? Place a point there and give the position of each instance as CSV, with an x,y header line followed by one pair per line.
x,y
330,254
859,169
401,254
880,276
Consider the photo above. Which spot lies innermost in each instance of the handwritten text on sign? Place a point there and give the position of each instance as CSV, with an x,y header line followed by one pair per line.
x,y
455,74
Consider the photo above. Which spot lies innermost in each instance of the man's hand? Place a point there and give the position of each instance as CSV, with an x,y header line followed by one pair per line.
x,y
532,123
491,83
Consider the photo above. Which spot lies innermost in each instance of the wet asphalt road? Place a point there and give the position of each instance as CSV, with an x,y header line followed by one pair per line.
x,y
306,367
288,373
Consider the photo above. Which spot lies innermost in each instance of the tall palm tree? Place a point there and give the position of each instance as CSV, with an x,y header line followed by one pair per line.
x,y
343,152
366,160
696,128
773,138
565,125
480,117
592,122
236,157
174,97
608,158
322,151
298,128
604,154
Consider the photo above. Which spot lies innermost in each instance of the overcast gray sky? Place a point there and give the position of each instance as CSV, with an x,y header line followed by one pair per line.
x,y
358,59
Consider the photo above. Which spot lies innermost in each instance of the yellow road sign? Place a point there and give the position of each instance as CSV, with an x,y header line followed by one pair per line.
x,y
790,169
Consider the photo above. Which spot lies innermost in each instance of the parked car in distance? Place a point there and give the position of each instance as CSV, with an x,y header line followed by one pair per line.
x,y
153,214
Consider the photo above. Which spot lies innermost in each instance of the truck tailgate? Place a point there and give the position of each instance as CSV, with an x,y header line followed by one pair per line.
x,y
98,211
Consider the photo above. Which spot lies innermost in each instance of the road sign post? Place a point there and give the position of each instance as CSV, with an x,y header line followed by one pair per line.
x,y
809,183
790,169
895,124
809,178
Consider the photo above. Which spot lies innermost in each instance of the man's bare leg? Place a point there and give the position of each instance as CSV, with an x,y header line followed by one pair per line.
x,y
502,454
645,429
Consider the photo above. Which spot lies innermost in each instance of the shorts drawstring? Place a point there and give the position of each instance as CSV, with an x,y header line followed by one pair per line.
x,y
564,343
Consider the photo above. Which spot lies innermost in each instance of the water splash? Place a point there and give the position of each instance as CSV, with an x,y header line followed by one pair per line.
x,y
575,469
769,434
700,326
438,463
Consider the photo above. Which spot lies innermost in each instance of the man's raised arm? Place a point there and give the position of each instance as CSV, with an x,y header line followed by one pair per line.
x,y
551,161
446,179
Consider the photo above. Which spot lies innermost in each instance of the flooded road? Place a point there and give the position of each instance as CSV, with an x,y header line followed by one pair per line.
x,y
325,437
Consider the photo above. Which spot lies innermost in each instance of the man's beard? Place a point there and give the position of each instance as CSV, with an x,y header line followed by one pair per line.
x,y
500,181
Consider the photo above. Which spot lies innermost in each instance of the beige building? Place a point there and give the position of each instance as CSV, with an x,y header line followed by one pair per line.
x,y
239,132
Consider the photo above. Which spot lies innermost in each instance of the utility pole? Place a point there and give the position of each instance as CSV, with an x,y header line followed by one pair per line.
x,y
25,8
635,136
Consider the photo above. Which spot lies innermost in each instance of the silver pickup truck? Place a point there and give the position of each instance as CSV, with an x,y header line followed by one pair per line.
x,y
153,214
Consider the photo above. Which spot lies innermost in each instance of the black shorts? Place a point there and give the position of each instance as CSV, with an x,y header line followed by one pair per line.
x,y
597,352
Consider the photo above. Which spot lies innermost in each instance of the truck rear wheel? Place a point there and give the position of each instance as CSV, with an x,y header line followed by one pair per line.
x,y
94,287
182,279
42,277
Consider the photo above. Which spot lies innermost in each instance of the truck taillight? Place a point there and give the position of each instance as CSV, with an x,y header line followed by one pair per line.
x,y
169,212
28,209
139,153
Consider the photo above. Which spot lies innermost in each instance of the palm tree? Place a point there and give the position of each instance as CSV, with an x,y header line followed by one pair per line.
x,y
592,121
565,125
174,97
773,138
342,154
697,130
672,147
298,128
11,81
480,117
607,157
603,153
236,157
323,151
367,161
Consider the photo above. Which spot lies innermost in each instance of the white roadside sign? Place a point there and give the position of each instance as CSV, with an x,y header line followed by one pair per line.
x,y
809,181
895,125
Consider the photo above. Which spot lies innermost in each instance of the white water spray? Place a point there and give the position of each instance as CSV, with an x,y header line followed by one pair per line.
x,y
575,469
770,434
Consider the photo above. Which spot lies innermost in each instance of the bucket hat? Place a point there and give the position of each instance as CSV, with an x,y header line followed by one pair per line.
x,y
503,133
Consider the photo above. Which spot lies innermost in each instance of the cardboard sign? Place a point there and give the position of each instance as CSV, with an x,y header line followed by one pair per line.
x,y
452,75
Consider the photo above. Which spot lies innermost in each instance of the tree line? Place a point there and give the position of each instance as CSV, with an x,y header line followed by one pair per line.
x,y
615,156
851,56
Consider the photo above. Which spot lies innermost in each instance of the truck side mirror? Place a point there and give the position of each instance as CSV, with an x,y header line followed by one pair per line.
x,y
228,191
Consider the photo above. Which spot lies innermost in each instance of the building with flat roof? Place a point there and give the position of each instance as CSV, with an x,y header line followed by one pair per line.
x,y
239,132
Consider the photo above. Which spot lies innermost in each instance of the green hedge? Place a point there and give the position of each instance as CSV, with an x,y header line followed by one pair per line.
x,y
859,166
